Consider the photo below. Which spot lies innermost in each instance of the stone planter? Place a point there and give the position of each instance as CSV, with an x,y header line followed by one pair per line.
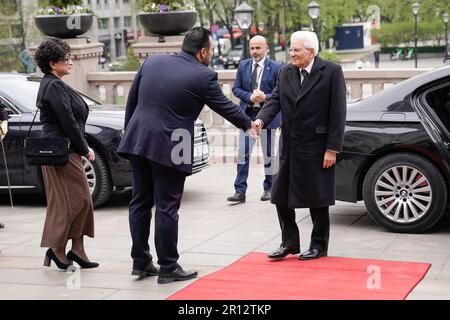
x,y
168,23
64,26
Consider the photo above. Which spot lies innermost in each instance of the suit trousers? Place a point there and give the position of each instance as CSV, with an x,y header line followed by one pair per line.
x,y
290,235
246,144
160,186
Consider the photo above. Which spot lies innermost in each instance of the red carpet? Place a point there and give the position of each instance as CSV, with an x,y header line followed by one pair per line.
x,y
253,277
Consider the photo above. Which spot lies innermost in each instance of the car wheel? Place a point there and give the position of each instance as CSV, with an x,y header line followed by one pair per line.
x,y
99,181
405,193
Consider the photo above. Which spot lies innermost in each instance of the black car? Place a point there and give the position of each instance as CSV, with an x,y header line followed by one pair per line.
x,y
396,154
107,174
232,59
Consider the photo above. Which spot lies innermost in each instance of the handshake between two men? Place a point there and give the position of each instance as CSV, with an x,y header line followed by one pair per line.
x,y
255,130
329,158
257,97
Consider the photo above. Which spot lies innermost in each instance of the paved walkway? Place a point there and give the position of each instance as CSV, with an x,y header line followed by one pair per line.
x,y
212,235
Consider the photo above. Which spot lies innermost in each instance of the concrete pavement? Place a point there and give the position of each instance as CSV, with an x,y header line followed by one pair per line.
x,y
212,235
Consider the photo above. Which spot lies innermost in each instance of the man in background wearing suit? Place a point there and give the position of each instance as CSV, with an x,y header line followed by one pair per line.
x,y
166,97
255,80
311,94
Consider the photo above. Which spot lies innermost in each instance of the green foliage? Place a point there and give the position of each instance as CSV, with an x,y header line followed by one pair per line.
x,y
332,14
9,59
329,56
162,5
65,3
131,63
55,7
391,34
422,49
61,3
8,7
10,30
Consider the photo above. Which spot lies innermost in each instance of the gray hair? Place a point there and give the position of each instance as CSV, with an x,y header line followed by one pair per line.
x,y
308,38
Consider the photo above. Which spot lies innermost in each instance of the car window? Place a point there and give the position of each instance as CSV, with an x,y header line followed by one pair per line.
x,y
4,104
23,92
439,102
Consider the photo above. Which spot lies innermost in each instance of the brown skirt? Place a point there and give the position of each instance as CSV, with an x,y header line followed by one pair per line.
x,y
70,212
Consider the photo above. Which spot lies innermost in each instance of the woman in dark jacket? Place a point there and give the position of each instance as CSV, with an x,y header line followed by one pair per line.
x,y
63,113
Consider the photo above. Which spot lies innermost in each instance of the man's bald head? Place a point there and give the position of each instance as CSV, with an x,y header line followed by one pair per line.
x,y
258,39
258,48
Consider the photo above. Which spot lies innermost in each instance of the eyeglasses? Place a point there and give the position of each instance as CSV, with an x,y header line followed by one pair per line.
x,y
297,50
67,61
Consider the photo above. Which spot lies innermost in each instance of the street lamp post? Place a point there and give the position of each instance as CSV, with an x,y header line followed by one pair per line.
x,y
285,31
243,14
445,15
314,13
415,8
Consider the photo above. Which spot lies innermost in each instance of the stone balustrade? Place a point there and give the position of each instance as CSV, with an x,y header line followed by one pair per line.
x,y
113,88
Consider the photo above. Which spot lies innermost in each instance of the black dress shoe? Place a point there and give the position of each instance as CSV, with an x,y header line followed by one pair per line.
x,y
238,197
266,195
176,275
71,256
313,254
51,256
282,252
151,270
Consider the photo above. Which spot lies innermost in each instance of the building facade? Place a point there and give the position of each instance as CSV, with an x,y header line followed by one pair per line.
x,y
116,24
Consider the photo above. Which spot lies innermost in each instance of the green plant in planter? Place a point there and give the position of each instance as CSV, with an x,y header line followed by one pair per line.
x,y
151,6
329,56
58,7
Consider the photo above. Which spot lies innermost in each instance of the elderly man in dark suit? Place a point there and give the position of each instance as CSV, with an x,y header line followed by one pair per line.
x,y
255,80
165,99
311,94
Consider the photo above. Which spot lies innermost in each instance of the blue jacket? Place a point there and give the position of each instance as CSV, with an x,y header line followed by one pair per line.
x,y
242,87
167,94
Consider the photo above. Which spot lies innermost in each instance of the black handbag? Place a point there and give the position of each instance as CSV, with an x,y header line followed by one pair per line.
x,y
41,151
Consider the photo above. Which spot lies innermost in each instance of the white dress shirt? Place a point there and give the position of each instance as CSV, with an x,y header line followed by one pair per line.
x,y
259,75
308,68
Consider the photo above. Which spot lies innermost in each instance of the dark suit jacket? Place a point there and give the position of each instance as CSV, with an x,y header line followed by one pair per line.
x,y
63,112
313,121
167,94
242,87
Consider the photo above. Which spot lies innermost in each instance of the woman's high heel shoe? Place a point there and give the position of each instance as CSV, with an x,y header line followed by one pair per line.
x,y
50,255
83,264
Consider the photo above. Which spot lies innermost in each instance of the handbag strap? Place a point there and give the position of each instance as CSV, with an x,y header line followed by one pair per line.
x,y
37,109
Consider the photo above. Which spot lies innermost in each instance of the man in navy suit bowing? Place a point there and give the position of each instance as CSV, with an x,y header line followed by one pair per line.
x,y
166,97
255,80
